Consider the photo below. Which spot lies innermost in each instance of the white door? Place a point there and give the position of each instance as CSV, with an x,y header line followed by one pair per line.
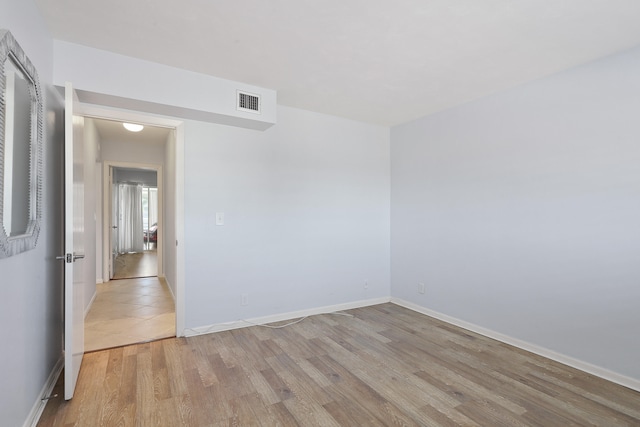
x,y
74,244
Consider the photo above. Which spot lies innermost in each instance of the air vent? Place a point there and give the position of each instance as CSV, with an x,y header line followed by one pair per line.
x,y
248,102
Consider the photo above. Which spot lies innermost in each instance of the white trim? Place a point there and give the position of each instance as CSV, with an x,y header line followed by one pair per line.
x,y
180,243
93,298
100,112
168,286
598,371
38,406
244,323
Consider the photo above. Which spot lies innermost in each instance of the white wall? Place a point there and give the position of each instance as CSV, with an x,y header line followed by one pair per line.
x,y
520,212
307,200
124,151
119,81
31,282
306,207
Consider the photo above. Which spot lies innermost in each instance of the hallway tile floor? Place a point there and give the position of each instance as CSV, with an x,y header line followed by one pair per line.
x,y
129,311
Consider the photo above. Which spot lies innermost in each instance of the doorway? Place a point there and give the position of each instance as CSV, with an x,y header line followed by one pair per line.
x,y
135,216
133,301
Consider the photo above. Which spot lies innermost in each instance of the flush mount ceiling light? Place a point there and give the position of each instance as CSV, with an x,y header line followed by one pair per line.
x,y
133,127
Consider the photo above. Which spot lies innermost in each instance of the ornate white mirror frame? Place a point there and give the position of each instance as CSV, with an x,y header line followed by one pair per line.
x,y
20,157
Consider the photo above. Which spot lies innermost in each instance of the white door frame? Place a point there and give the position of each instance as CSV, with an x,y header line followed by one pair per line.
x,y
107,212
140,117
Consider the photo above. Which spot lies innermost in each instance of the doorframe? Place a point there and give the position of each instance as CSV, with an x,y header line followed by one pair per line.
x,y
107,212
100,112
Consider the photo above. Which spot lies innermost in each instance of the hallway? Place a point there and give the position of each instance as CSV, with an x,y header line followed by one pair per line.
x,y
129,311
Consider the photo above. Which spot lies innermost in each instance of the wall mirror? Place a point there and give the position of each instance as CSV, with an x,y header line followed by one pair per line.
x,y
20,149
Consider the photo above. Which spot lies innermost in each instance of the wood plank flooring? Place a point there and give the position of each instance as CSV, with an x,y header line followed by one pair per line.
x,y
382,365
139,264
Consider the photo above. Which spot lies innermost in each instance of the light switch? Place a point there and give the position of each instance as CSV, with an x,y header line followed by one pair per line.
x,y
219,218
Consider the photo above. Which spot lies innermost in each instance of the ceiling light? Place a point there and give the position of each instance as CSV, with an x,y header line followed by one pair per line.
x,y
133,127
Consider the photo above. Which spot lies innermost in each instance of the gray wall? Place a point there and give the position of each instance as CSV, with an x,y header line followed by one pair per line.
x,y
521,212
31,282
306,207
307,200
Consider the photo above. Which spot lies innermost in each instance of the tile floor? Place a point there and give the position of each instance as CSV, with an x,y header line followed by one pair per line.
x,y
129,311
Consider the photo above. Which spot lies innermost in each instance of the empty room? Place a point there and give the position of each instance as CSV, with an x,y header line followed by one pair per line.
x,y
419,213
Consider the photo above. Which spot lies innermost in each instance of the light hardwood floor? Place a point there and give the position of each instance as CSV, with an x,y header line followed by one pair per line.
x,y
385,365
140,264
129,311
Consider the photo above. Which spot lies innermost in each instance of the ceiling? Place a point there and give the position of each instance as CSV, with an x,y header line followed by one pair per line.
x,y
110,130
370,60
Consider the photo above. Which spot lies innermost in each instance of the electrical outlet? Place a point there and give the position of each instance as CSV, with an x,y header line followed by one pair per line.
x,y
421,288
244,299
366,284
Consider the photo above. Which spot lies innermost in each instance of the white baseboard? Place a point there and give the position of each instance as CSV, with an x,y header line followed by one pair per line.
x,y
38,406
237,324
598,371
168,286
93,298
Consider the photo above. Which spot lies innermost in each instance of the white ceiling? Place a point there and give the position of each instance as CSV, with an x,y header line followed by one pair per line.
x,y
110,130
377,61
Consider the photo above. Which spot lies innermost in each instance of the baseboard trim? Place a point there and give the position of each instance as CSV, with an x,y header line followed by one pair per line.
x,y
598,371
38,406
244,323
93,298
168,286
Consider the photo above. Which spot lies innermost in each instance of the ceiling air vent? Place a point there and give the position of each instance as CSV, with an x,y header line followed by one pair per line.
x,y
248,102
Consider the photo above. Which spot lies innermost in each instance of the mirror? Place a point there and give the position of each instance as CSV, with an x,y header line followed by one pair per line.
x,y
20,149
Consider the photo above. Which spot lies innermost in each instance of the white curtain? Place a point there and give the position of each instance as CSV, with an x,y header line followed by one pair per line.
x,y
153,206
130,230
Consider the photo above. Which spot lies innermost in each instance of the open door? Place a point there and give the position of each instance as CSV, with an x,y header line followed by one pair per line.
x,y
74,244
